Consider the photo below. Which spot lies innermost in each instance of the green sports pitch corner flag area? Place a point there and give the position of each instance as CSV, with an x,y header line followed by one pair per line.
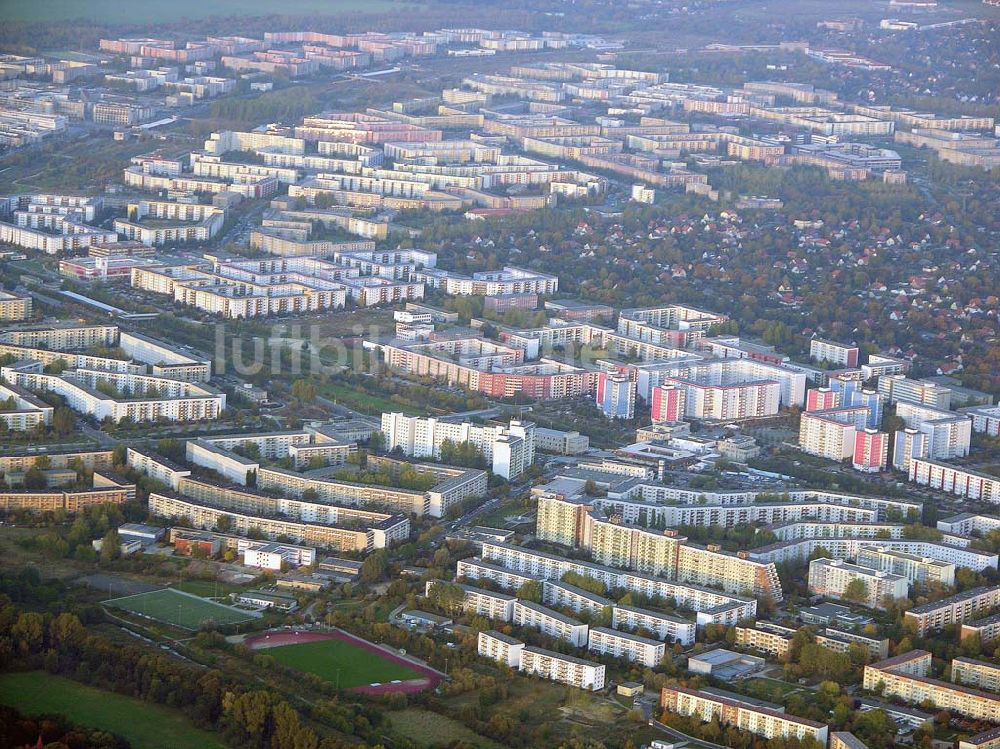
x,y
180,609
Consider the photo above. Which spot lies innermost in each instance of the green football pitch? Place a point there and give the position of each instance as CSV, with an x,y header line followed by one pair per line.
x,y
340,663
180,609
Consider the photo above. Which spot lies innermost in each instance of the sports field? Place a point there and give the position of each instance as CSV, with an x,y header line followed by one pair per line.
x,y
345,661
180,609
141,723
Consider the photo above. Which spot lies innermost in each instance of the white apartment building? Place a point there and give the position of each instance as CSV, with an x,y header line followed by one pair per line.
x,y
956,480
500,647
480,602
968,524
549,622
564,669
273,556
973,673
900,387
914,568
509,450
956,609
831,433
840,354
156,466
633,648
565,596
473,568
24,410
906,677
745,716
831,578
14,306
62,337
737,401
985,419
713,606
665,626
174,400
949,434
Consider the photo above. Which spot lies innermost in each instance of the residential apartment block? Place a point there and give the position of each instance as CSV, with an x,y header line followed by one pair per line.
x,y
630,647
509,450
565,669
500,647
953,610
923,570
745,716
956,480
549,622
665,626
906,677
831,578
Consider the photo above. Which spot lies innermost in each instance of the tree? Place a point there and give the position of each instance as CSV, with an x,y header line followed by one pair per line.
x,y
530,591
28,631
34,479
374,567
856,591
304,391
110,546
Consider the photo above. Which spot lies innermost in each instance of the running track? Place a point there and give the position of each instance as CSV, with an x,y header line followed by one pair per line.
x,y
430,680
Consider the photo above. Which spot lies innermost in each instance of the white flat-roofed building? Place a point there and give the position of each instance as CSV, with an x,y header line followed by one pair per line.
x,y
765,637
633,648
500,647
510,450
272,556
713,606
472,568
137,397
956,480
949,433
496,606
989,739
561,443
841,641
953,610
566,596
761,721
664,626
985,419
906,677
564,669
831,578
23,411
14,306
914,568
973,673
156,466
846,740
969,524
549,622
841,354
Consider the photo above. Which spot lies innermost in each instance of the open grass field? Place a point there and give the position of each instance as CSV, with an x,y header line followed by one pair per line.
x,y
425,727
141,723
152,11
179,609
341,663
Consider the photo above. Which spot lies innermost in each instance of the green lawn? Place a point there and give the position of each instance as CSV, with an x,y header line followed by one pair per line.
x,y
144,725
179,609
340,663
151,11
